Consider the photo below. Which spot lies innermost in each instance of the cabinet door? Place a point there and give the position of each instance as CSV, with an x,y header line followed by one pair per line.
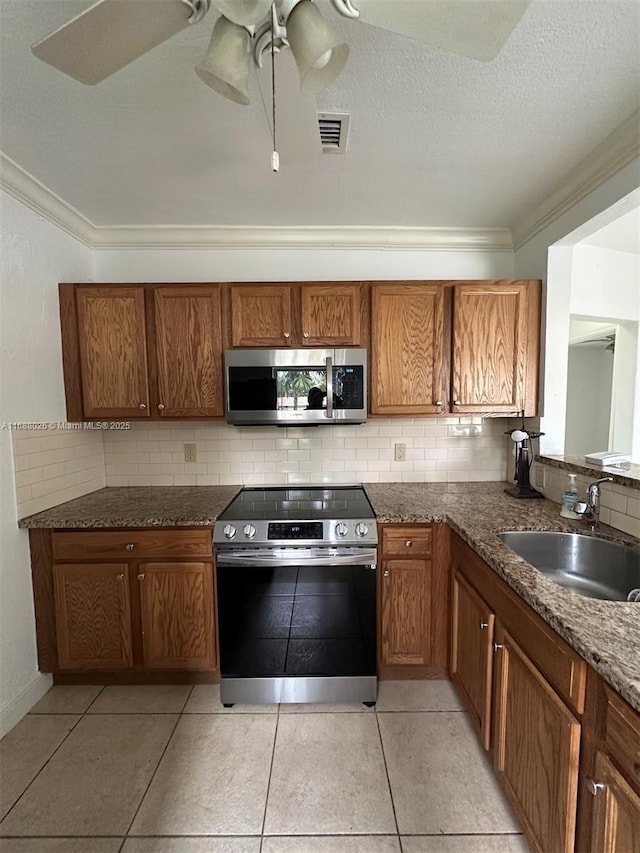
x,y
113,352
616,820
537,745
405,636
491,352
189,351
93,615
331,315
261,315
472,653
409,339
176,603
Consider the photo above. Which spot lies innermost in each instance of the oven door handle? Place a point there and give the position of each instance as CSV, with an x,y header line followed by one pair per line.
x,y
329,409
362,558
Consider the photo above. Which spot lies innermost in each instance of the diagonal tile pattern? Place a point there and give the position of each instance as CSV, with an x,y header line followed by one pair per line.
x,y
167,769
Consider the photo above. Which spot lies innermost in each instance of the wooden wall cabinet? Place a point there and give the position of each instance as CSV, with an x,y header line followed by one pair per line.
x,y
525,690
142,351
413,600
124,603
462,347
297,315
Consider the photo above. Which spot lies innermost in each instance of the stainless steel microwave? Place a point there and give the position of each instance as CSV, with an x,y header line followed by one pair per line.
x,y
296,387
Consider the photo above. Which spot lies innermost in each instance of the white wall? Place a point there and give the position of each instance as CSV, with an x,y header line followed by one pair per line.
x,y
589,378
35,257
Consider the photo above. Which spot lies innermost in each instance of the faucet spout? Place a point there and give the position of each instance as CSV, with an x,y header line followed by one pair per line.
x,y
590,511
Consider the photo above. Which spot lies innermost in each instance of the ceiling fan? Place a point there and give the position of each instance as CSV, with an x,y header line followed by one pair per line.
x,y
110,34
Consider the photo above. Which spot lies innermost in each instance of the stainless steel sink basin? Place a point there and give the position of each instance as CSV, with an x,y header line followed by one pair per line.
x,y
588,565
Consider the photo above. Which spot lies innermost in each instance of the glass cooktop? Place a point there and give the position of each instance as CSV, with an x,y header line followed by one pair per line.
x,y
281,503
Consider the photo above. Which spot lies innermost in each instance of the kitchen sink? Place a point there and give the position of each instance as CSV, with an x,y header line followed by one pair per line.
x,y
590,566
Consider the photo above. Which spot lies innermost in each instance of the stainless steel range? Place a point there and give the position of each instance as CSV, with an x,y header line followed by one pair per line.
x,y
297,596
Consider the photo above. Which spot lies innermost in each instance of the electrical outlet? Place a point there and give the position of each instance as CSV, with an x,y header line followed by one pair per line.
x,y
400,452
190,453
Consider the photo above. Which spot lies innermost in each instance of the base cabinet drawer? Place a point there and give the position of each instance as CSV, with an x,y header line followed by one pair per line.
x,y
130,544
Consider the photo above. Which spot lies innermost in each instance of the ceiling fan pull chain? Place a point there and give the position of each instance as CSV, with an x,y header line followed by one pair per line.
x,y
275,157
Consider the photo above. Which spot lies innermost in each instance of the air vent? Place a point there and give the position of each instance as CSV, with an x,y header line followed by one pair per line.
x,y
334,131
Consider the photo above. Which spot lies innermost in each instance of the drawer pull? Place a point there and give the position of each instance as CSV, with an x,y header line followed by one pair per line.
x,y
120,577
594,787
408,543
484,625
141,576
130,546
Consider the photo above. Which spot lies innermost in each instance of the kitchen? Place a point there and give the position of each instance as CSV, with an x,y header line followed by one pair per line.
x,y
41,254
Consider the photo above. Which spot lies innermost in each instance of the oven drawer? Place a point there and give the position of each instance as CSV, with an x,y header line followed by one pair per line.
x,y
130,544
406,541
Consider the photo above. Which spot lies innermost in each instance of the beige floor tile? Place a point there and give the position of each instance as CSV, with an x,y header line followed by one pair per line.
x,y
205,699
328,777
192,845
95,781
60,845
464,844
440,778
212,779
332,844
323,708
429,695
67,699
142,699
25,750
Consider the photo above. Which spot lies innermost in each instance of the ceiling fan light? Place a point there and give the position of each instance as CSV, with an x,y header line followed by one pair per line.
x,y
225,66
318,54
244,12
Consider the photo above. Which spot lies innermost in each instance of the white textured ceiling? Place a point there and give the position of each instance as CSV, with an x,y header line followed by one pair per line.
x,y
435,139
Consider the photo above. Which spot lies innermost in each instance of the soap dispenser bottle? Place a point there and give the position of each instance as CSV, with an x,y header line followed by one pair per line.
x,y
569,498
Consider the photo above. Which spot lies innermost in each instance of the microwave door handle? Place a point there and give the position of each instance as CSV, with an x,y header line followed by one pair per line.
x,y
329,409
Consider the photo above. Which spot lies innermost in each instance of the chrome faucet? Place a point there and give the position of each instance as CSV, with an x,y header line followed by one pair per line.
x,y
590,511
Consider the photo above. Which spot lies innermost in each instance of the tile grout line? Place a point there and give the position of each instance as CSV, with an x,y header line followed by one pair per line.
x,y
386,770
266,801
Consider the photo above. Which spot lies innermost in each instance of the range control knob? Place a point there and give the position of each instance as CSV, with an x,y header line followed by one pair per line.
x,y
249,531
341,529
229,531
361,529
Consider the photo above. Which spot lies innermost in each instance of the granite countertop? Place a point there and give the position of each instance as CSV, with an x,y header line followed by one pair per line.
x,y
605,633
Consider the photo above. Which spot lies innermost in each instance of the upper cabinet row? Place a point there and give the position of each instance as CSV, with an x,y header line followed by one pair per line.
x,y
155,351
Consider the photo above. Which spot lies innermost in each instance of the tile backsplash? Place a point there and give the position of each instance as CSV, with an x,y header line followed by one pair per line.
x,y
56,464
442,449
619,505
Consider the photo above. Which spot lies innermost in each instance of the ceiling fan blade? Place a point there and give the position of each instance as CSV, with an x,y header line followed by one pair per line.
x,y
109,35
474,28
297,131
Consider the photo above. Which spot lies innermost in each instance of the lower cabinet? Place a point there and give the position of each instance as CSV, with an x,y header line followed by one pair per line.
x,y
151,610
616,817
413,600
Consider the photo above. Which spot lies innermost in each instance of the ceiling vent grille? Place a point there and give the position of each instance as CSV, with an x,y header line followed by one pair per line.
x,y
334,131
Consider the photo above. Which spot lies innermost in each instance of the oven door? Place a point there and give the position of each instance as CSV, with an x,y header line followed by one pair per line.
x,y
297,625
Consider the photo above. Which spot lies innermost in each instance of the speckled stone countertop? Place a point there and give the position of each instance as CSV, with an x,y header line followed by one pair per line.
x,y
625,475
605,633
138,506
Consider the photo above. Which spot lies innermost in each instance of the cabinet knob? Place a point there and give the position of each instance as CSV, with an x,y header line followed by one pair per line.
x,y
141,576
408,543
497,646
130,546
287,334
438,403
142,406
386,573
161,406
484,625
456,403
120,577
594,787
305,334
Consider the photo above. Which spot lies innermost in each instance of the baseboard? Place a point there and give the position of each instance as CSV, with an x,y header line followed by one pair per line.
x,y
12,713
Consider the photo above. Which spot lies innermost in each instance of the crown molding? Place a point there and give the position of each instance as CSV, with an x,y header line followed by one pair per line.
x,y
36,196
44,202
616,151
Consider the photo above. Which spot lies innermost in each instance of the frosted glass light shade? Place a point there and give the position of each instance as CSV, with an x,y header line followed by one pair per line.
x,y
225,66
244,12
319,56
